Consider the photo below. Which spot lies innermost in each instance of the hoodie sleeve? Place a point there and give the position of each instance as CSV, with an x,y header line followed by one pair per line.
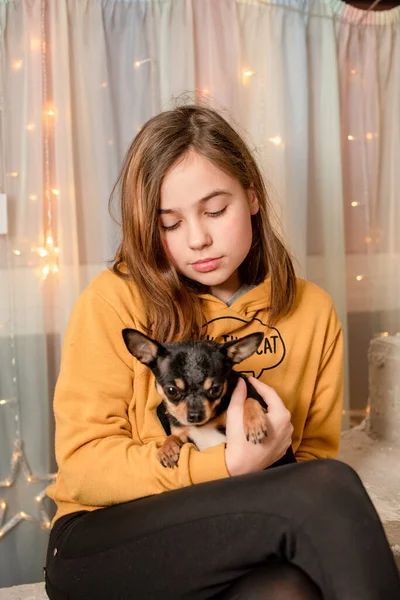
x,y
321,435
101,458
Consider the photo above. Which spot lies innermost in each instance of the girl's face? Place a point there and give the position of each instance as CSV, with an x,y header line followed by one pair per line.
x,y
205,215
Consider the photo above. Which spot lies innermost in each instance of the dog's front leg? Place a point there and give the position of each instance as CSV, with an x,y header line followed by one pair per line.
x,y
169,453
255,421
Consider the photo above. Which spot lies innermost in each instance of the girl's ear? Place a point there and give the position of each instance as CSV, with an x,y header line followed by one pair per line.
x,y
253,200
142,347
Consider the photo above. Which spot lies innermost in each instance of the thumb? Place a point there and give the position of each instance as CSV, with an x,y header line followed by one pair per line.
x,y
239,394
234,415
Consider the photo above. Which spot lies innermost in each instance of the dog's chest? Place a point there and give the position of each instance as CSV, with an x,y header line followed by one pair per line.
x,y
206,436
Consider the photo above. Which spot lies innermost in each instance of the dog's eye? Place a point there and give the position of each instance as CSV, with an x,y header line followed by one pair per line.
x,y
216,389
172,391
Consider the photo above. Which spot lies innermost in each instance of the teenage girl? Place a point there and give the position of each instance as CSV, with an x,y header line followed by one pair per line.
x,y
199,258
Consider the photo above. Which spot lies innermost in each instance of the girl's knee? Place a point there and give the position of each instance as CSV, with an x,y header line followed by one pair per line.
x,y
335,480
330,471
276,581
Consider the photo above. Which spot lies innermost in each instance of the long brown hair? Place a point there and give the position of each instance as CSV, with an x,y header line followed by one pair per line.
x,y
172,303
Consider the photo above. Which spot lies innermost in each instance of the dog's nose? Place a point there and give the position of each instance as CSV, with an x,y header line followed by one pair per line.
x,y
195,416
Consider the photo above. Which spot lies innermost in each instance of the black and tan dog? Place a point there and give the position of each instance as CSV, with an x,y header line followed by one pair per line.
x,y
195,380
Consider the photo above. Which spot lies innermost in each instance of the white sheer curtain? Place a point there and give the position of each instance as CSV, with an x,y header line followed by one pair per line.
x,y
314,87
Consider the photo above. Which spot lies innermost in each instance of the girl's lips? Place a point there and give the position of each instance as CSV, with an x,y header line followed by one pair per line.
x,y
206,265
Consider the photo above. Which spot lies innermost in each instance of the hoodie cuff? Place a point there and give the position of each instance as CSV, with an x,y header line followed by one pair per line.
x,y
208,464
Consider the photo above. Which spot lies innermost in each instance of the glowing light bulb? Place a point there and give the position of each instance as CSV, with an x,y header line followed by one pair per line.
x,y
54,269
369,135
42,252
137,64
17,252
55,191
17,65
32,197
3,505
351,138
13,174
30,126
384,334
277,140
45,271
354,203
205,91
37,498
49,241
51,112
35,44
248,73
104,84
22,514
360,277
353,71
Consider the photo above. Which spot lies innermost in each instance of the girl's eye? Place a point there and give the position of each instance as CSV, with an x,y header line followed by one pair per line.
x,y
210,214
171,227
218,213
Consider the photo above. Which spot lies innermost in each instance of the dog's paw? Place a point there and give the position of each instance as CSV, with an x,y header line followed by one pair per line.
x,y
168,454
255,421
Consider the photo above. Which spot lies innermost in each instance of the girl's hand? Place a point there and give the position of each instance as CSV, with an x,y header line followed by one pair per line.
x,y
242,456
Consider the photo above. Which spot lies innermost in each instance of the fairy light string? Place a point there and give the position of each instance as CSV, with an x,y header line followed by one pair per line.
x,y
19,461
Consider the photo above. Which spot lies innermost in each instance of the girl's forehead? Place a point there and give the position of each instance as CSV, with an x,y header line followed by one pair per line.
x,y
191,180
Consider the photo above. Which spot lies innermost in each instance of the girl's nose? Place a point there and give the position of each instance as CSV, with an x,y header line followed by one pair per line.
x,y
198,237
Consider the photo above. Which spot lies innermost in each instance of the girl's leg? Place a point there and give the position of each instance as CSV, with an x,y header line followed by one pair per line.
x,y
193,543
276,581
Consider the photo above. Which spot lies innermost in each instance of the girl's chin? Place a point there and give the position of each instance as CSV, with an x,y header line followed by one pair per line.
x,y
215,279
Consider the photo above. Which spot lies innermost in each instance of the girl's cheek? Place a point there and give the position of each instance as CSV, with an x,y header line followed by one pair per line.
x,y
169,249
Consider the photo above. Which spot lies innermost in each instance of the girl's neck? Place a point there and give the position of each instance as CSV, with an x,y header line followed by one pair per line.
x,y
226,290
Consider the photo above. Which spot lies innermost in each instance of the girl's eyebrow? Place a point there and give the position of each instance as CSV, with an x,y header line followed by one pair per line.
x,y
218,192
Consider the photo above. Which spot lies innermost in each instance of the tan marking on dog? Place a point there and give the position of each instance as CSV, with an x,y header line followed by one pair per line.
x,y
214,403
220,420
208,383
255,421
180,384
180,432
160,391
168,454
179,411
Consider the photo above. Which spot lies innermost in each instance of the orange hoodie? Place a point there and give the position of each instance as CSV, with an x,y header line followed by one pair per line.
x,y
107,429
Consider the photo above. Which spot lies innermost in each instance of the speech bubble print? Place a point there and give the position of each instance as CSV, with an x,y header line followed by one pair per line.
x,y
270,353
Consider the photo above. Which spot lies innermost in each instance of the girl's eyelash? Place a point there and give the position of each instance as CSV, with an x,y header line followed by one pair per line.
x,y
217,214
164,228
214,214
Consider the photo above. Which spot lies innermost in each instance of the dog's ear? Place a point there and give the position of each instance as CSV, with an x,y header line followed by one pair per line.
x,y
142,347
240,349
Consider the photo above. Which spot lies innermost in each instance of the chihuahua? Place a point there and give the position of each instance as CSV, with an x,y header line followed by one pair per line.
x,y
195,380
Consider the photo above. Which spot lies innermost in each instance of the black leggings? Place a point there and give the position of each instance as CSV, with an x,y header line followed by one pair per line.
x,y
309,528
